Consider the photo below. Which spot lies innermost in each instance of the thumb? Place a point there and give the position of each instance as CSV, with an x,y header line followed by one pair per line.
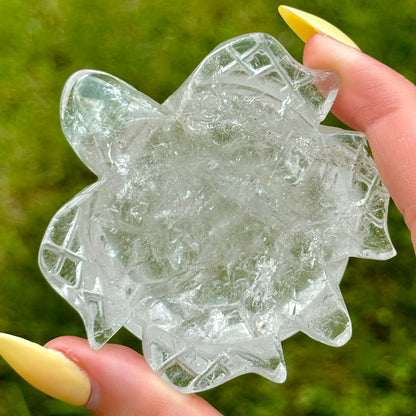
x,y
380,102
122,383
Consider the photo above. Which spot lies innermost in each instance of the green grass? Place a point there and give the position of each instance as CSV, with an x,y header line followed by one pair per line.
x,y
154,45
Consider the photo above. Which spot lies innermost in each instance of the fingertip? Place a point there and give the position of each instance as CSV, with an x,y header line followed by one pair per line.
x,y
123,383
76,349
73,348
305,24
369,89
377,100
323,52
48,370
115,372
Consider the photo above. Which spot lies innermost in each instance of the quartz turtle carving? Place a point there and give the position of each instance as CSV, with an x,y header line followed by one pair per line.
x,y
222,220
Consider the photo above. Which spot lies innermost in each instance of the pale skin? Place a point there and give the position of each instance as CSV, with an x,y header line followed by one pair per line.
x,y
372,98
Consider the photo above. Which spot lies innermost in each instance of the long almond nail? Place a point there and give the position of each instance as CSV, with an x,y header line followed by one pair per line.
x,y
46,369
306,25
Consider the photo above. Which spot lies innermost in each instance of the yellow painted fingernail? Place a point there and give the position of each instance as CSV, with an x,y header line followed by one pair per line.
x,y
46,369
306,25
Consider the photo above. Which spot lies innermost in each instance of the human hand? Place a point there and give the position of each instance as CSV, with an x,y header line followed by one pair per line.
x,y
122,383
372,98
382,103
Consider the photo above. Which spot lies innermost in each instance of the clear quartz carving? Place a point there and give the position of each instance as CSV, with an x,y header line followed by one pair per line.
x,y
222,220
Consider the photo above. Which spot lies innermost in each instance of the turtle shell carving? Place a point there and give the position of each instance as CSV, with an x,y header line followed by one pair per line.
x,y
222,220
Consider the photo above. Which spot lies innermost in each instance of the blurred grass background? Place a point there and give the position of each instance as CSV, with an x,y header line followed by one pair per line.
x,y
154,45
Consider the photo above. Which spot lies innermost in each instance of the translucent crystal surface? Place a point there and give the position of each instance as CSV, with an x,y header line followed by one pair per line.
x,y
222,220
